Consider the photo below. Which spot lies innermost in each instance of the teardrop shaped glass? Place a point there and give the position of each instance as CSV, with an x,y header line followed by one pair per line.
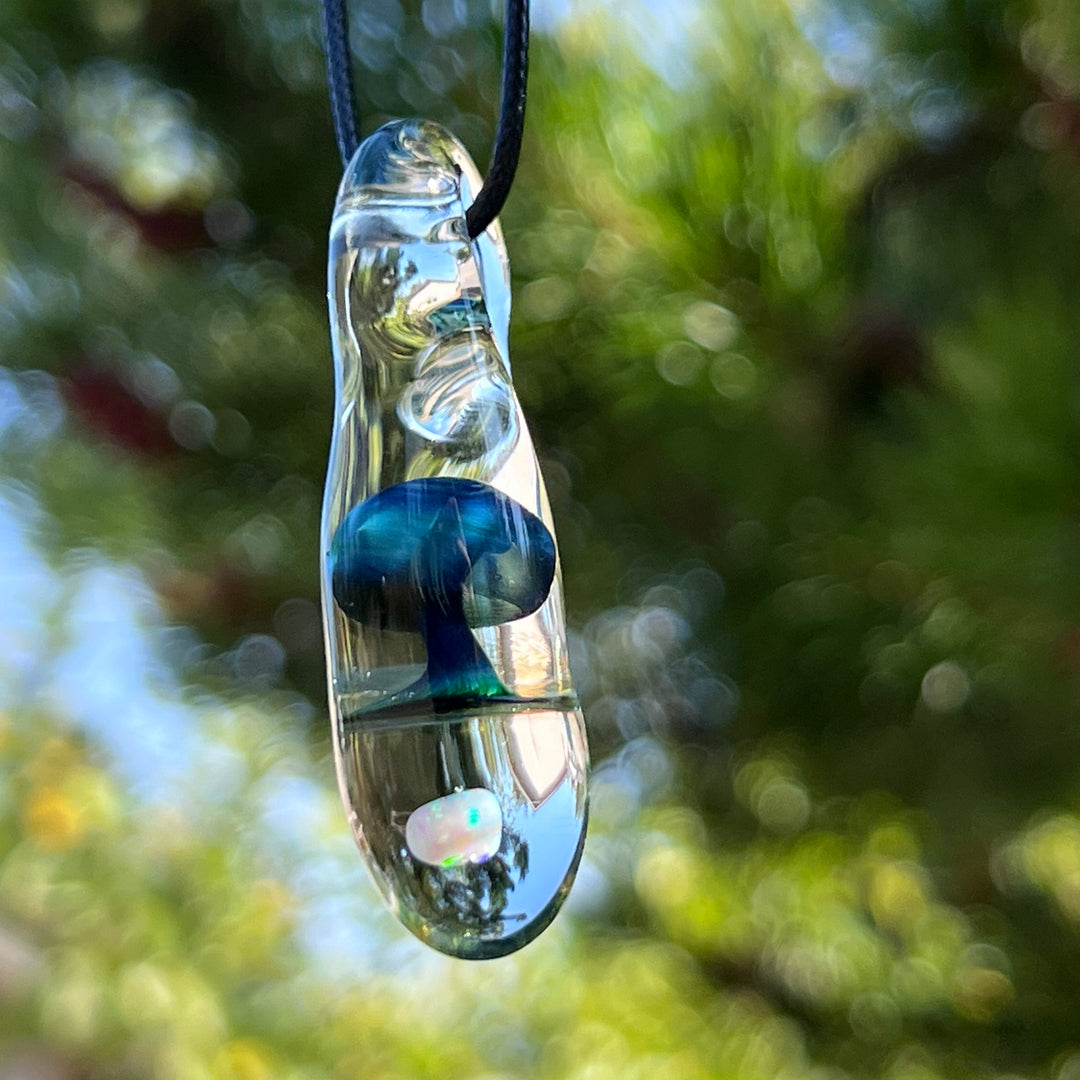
x,y
459,745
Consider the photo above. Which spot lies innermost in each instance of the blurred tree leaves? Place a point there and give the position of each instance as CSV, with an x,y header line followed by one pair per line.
x,y
795,319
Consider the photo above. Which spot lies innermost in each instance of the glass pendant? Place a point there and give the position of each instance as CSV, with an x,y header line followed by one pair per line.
x,y
459,744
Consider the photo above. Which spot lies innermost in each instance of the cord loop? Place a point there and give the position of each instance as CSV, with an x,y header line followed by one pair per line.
x,y
507,149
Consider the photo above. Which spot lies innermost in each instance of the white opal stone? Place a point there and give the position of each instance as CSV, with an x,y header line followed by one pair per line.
x,y
463,827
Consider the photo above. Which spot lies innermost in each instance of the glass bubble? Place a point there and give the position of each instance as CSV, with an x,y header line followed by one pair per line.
x,y
459,744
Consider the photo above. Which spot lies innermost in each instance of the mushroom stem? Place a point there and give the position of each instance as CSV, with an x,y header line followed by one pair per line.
x,y
458,672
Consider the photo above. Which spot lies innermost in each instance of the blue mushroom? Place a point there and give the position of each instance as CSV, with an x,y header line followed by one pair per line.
x,y
440,555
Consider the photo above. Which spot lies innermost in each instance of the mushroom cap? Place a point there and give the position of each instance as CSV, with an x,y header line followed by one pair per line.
x,y
443,542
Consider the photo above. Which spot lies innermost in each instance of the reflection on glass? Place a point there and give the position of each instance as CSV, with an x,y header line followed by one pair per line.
x,y
460,747
494,896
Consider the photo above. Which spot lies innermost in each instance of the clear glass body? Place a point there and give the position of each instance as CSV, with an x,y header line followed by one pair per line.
x,y
459,744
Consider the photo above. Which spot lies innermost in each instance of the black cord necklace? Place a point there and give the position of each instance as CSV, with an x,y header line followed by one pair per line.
x,y
458,741
507,149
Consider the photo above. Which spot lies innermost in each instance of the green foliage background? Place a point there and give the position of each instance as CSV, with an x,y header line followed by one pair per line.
x,y
796,321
